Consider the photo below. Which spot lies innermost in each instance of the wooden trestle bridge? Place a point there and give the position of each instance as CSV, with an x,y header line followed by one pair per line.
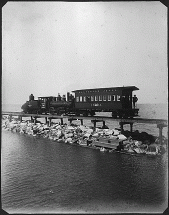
x,y
161,123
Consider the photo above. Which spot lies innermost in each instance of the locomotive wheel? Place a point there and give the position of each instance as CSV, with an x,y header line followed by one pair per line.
x,y
51,110
85,113
39,112
92,113
114,115
126,116
120,116
59,113
77,113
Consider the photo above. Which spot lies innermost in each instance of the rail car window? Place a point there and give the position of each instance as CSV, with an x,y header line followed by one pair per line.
x,y
113,98
81,99
88,98
118,98
96,98
100,98
109,97
92,98
77,98
104,98
84,98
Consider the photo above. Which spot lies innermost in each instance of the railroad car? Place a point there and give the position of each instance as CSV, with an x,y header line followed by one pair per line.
x,y
117,100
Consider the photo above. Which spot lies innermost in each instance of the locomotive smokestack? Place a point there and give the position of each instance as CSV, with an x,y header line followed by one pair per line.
x,y
68,95
64,97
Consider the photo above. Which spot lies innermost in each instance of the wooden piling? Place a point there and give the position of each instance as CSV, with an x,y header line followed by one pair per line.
x,y
10,117
34,120
121,126
131,127
50,122
20,118
161,126
97,120
94,123
123,123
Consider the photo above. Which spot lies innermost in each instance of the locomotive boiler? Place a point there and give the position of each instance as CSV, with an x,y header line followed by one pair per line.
x,y
49,104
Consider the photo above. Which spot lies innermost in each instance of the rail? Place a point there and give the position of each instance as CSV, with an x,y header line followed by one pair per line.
x,y
101,118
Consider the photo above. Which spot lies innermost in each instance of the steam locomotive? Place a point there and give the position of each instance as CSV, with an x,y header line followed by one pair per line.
x,y
51,104
117,100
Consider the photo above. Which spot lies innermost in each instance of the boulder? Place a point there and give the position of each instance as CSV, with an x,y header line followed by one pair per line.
x,y
95,135
116,132
70,128
112,137
109,132
121,137
87,135
69,140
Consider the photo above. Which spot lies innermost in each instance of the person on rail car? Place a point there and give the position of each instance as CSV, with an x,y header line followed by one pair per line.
x,y
31,97
135,99
59,97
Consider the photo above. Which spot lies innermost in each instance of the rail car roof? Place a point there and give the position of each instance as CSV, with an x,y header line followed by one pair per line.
x,y
46,96
118,88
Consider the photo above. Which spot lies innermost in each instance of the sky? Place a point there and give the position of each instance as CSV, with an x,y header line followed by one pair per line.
x,y
57,47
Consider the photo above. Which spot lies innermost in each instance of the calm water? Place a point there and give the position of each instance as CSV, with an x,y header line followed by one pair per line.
x,y
39,175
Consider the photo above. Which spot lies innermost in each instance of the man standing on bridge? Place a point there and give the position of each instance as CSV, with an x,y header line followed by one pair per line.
x,y
135,99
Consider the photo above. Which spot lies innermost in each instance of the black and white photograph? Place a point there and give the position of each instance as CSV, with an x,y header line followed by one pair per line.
x,y
84,120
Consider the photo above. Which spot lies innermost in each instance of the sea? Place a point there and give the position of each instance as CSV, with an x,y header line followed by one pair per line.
x,y
43,176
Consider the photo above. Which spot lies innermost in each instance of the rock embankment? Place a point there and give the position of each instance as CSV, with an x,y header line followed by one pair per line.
x,y
108,139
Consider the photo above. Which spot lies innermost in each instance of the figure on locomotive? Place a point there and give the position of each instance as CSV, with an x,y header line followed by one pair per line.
x,y
117,100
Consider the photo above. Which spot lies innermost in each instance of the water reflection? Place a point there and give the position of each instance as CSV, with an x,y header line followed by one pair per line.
x,y
43,175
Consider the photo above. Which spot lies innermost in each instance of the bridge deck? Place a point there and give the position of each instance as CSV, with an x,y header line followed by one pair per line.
x,y
93,118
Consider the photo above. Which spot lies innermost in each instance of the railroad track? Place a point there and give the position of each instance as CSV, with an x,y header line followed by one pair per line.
x,y
99,118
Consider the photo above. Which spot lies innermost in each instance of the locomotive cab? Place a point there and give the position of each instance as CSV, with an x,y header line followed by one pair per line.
x,y
45,103
61,106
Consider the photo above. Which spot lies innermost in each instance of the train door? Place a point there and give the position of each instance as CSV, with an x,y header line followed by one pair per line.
x,y
126,100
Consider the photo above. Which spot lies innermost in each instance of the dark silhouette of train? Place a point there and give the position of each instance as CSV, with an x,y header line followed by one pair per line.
x,y
117,100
